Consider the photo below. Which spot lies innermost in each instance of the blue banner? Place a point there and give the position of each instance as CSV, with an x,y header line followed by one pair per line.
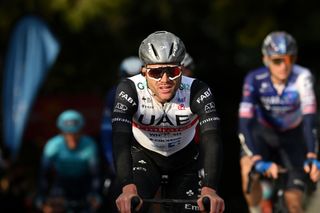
x,y
31,52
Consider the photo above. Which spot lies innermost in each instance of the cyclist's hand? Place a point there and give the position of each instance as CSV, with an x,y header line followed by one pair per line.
x,y
216,202
311,166
267,168
124,200
94,201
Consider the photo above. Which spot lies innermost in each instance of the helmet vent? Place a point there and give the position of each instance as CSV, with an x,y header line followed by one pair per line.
x,y
171,50
154,51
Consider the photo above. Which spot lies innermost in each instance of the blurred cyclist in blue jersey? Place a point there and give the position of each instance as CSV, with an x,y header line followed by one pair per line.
x,y
129,66
69,170
277,121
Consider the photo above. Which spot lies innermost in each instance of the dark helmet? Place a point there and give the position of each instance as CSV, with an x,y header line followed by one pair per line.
x,y
162,47
70,121
130,66
279,43
188,62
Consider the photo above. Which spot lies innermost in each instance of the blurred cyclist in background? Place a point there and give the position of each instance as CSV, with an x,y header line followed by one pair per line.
x,y
277,122
69,170
129,66
188,65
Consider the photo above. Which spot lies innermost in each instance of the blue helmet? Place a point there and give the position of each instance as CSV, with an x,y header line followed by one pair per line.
x,y
279,43
130,66
70,121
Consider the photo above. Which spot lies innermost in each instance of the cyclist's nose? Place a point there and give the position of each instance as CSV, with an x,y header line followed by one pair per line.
x,y
165,77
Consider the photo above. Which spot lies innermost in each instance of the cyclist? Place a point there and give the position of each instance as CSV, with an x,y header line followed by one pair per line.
x,y
153,124
277,121
69,167
129,66
188,65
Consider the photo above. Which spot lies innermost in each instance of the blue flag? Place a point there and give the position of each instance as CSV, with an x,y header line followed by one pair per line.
x,y
31,52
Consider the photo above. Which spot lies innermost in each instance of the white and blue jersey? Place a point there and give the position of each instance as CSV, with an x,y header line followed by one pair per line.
x,y
281,111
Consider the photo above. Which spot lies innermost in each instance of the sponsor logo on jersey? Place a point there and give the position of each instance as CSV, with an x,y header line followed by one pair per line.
x,y
164,119
204,96
265,87
120,108
184,86
121,120
181,99
210,107
181,107
141,85
209,120
145,106
125,96
147,99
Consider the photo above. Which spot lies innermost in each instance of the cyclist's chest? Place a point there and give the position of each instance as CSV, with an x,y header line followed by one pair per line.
x,y
271,99
177,112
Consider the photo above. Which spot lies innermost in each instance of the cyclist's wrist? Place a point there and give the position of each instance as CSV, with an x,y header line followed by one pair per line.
x,y
262,166
207,190
255,158
312,155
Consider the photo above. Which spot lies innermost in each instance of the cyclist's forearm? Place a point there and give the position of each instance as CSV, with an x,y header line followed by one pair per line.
x,y
309,125
122,156
211,148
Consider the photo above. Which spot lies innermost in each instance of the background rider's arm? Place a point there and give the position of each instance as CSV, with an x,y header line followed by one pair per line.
x,y
106,128
309,127
247,116
202,104
245,129
122,130
309,111
46,166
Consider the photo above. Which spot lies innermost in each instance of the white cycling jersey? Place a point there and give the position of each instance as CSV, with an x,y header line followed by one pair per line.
x,y
164,128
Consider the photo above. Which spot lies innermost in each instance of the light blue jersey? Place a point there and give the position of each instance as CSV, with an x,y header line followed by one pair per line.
x,y
71,163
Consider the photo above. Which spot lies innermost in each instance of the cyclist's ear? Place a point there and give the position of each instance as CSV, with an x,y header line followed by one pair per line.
x,y
143,71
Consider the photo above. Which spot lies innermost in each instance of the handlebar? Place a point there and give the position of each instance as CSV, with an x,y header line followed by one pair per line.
x,y
135,201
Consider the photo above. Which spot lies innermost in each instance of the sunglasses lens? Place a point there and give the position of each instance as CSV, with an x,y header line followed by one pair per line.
x,y
277,61
174,72
285,59
156,73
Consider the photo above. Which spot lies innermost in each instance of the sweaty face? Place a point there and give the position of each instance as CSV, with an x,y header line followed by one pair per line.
x,y
280,67
163,80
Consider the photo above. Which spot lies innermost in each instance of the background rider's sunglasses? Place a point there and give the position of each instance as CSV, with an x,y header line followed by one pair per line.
x,y
280,60
157,73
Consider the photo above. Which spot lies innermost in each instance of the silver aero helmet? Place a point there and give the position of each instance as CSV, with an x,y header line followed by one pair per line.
x,y
279,43
130,66
70,121
162,47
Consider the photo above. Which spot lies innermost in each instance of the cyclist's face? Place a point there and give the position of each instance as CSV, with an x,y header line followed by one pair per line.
x,y
280,67
163,80
71,139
